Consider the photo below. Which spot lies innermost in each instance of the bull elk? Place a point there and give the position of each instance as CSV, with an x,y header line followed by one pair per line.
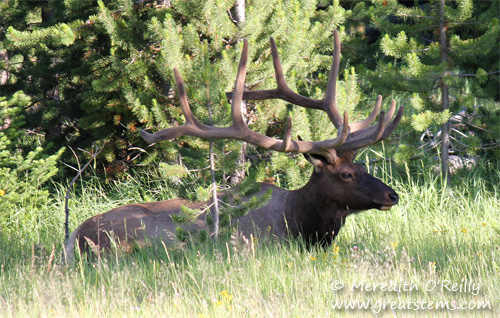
x,y
316,212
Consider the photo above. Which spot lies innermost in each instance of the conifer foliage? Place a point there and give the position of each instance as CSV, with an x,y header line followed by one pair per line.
x,y
444,55
24,166
102,70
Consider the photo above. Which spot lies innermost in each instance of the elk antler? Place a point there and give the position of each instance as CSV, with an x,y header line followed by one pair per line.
x,y
349,137
361,134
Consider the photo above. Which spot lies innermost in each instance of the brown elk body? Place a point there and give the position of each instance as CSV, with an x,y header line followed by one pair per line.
x,y
316,212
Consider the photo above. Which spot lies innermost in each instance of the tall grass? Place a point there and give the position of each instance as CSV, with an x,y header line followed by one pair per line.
x,y
434,236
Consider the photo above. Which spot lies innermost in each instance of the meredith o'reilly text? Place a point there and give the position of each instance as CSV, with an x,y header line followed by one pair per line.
x,y
410,286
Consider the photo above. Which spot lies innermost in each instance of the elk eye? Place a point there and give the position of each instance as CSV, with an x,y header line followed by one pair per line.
x,y
346,176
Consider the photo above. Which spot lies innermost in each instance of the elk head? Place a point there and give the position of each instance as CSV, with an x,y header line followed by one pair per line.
x,y
350,184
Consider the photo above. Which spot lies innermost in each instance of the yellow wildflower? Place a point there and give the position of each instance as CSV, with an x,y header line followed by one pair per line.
x,y
225,294
312,258
464,230
484,223
394,244
2,193
336,248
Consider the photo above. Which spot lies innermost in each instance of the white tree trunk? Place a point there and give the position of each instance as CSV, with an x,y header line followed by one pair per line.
x,y
239,11
239,174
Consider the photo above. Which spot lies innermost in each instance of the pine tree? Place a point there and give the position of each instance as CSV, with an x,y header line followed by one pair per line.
x,y
44,58
444,57
24,167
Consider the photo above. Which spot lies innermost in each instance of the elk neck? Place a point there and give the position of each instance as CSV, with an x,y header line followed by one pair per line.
x,y
316,210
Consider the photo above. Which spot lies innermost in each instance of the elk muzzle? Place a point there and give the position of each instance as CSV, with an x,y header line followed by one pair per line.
x,y
391,199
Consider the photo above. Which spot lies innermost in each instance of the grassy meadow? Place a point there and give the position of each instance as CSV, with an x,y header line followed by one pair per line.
x,y
436,254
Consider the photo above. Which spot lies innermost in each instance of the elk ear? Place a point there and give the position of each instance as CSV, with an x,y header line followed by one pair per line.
x,y
317,161
349,155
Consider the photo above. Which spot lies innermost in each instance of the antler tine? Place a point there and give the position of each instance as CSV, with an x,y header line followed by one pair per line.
x,y
186,110
394,123
368,139
392,109
331,90
178,131
375,133
278,68
367,122
368,131
239,86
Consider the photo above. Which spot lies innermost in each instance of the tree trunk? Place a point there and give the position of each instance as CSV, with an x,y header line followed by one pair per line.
x,y
239,11
47,12
4,74
216,211
214,191
445,102
239,174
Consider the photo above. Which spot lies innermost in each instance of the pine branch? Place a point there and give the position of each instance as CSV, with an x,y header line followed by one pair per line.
x,y
473,75
401,13
399,79
136,5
